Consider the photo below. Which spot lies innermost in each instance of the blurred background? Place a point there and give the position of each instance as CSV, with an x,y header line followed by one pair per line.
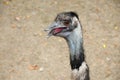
x,y
26,53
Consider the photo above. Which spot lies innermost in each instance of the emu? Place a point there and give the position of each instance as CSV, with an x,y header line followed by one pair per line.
x,y
67,25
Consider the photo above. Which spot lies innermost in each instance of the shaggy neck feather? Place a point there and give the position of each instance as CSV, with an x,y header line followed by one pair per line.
x,y
75,41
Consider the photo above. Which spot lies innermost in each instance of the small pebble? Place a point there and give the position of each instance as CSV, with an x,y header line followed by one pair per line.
x,y
41,69
115,27
19,27
35,34
107,58
6,2
27,16
17,18
40,34
55,2
34,13
104,46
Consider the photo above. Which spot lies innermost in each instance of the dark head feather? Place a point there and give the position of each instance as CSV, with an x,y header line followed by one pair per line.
x,y
70,14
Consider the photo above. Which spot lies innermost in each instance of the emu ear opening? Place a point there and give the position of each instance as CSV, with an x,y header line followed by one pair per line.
x,y
75,22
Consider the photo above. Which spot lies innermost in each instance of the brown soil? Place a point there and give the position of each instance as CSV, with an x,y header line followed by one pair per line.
x,y
26,54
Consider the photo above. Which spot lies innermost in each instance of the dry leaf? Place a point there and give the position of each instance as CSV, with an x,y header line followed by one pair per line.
x,y
33,67
28,16
13,26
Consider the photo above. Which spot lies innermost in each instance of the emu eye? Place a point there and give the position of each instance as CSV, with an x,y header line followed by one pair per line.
x,y
66,23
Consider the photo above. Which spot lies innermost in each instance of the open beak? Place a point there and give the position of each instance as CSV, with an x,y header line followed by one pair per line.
x,y
54,29
50,28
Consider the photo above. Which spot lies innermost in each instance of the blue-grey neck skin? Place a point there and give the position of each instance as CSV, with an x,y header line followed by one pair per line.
x,y
75,43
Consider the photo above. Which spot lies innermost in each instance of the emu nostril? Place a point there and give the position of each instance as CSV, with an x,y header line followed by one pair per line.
x,y
45,30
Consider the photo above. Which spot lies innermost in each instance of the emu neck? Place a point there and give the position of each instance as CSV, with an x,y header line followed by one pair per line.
x,y
75,43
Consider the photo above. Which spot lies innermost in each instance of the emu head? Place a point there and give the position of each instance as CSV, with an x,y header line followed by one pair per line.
x,y
64,24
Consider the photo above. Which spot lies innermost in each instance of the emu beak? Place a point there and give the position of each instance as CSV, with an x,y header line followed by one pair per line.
x,y
50,28
54,29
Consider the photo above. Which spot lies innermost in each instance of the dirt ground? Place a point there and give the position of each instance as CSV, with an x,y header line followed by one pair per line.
x,y
26,54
